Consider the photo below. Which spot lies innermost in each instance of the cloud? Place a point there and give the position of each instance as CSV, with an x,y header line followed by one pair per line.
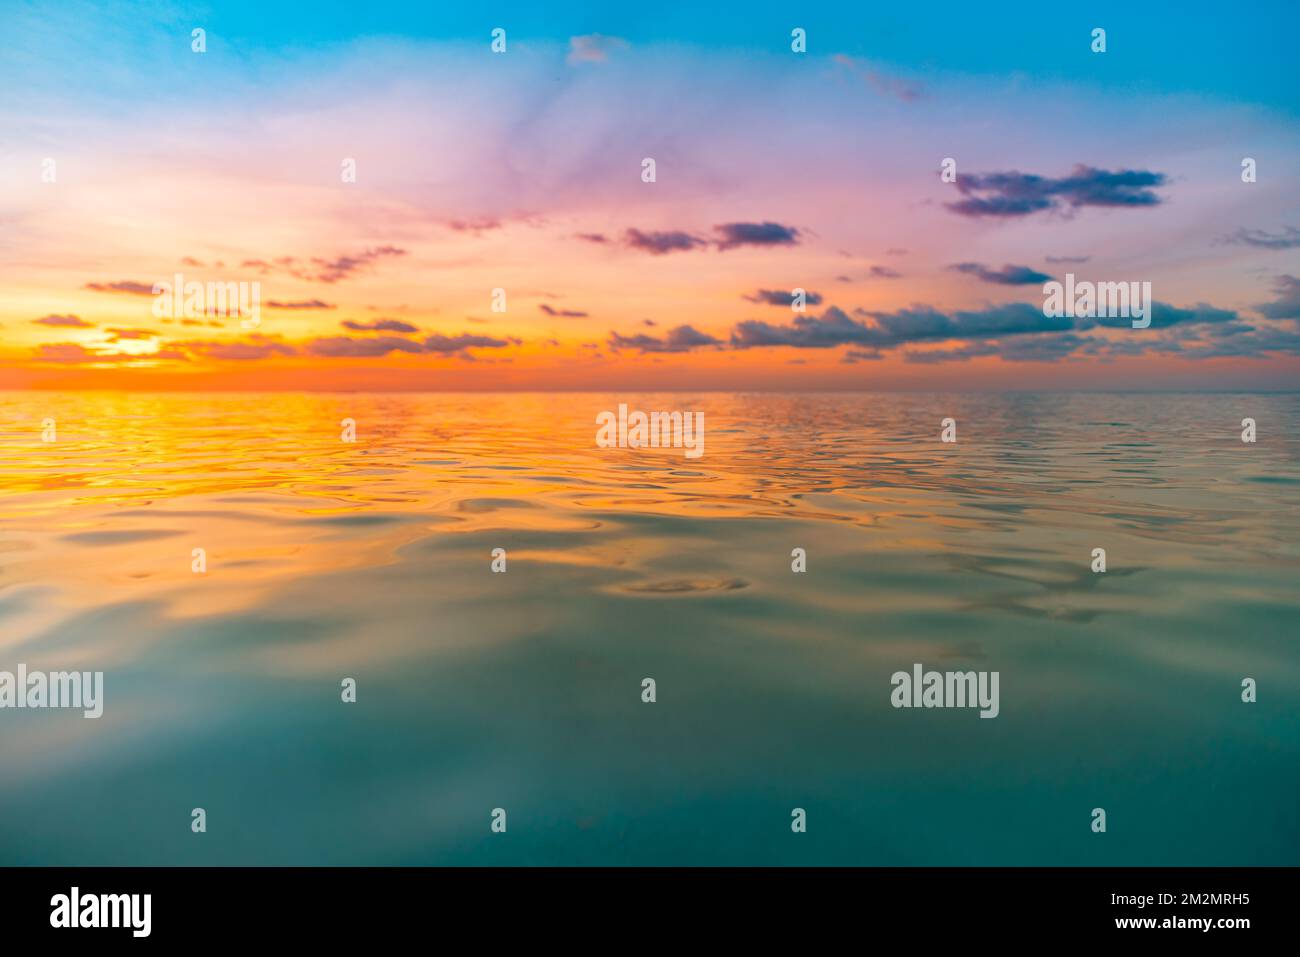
x,y
1288,238
449,345
1256,343
960,354
72,352
889,329
1164,315
1024,349
924,322
1061,260
258,347
334,347
132,333
593,48
300,304
884,272
342,267
730,236
562,313
780,297
1022,194
379,325
734,235
126,286
832,328
1287,303
69,321
1006,276
318,269
882,83
337,347
659,243
1019,332
476,226
680,339
592,237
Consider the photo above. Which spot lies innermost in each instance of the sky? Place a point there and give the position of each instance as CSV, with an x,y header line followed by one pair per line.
x,y
127,158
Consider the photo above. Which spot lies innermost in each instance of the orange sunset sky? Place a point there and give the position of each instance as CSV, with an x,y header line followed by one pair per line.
x,y
128,158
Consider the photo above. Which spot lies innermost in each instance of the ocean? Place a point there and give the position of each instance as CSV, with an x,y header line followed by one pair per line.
x,y
228,562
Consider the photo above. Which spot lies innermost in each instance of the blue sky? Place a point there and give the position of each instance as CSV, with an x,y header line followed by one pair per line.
x,y
1244,52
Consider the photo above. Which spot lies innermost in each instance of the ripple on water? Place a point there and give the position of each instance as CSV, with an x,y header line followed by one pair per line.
x,y
683,586
121,537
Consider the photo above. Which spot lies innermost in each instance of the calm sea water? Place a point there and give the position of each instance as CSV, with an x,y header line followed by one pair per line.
x,y
522,690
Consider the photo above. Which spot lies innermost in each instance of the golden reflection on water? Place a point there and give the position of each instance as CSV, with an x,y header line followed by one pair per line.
x,y
372,560
112,509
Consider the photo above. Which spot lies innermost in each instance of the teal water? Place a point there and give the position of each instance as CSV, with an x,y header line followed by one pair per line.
x,y
522,690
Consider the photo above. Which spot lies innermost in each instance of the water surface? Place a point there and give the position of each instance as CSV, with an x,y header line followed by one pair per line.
x,y
522,690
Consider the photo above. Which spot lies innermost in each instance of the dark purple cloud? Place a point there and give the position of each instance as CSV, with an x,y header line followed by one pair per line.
x,y
1287,303
1023,349
735,235
562,313
379,325
781,297
1006,276
1019,332
346,347
1164,315
888,329
832,328
1288,238
333,347
729,236
861,355
448,345
1022,194
660,243
680,339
